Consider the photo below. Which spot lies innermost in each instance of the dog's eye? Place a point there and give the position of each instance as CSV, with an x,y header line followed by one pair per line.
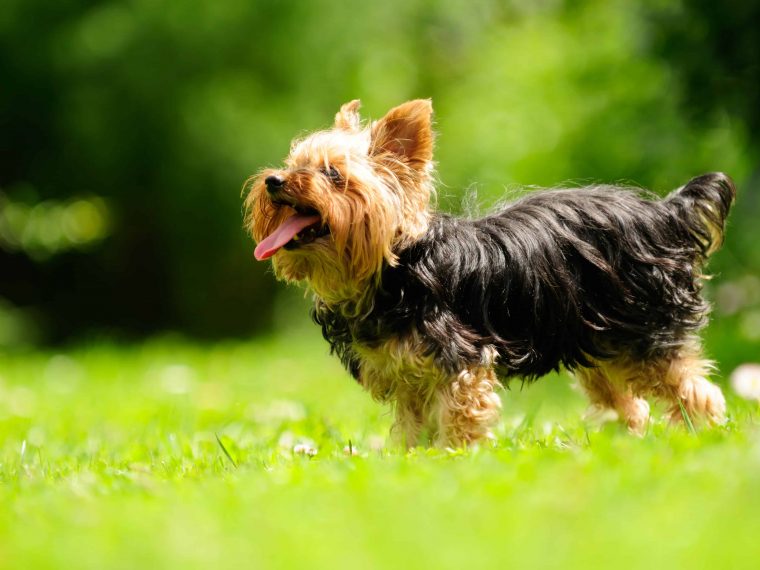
x,y
332,173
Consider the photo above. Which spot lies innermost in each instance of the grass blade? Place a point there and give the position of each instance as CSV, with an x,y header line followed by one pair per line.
x,y
224,449
686,418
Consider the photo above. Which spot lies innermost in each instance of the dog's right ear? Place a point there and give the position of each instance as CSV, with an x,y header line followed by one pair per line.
x,y
405,133
348,118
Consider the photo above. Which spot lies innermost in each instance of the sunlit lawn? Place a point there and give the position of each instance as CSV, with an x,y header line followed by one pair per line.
x,y
171,454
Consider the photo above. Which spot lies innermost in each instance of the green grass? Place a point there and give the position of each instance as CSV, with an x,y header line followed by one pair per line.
x,y
170,454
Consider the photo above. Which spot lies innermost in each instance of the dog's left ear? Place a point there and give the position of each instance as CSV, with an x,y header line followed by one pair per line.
x,y
348,118
406,133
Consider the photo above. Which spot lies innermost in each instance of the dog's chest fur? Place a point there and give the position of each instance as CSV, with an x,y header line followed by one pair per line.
x,y
397,365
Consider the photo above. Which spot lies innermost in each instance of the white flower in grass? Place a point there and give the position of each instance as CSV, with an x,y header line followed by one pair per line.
x,y
305,449
745,381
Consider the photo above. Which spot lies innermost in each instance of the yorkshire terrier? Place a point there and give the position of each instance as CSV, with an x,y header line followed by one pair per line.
x,y
431,312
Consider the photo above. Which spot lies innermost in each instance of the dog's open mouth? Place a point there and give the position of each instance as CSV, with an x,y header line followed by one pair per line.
x,y
302,228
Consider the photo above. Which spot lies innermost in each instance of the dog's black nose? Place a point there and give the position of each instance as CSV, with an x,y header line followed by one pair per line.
x,y
274,183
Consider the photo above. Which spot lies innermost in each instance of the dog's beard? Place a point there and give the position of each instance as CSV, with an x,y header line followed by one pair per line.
x,y
321,270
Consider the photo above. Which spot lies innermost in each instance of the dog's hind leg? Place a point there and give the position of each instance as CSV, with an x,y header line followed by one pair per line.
x,y
608,389
681,381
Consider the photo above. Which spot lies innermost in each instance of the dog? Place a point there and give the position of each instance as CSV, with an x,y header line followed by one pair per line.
x,y
432,313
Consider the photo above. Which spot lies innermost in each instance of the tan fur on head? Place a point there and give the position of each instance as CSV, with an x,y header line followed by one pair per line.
x,y
377,203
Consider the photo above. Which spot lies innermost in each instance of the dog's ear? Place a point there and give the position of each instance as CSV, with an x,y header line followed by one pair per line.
x,y
348,118
406,133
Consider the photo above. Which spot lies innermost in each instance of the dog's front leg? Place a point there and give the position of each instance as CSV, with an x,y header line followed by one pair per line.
x,y
405,397
467,407
409,420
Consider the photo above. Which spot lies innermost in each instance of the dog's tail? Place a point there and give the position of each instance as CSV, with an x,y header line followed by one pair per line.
x,y
703,204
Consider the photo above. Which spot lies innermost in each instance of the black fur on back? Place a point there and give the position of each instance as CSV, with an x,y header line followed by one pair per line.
x,y
554,279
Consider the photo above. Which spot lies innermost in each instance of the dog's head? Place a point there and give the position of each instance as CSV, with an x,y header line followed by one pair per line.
x,y
346,200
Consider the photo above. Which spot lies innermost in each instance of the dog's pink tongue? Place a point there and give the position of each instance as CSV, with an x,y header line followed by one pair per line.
x,y
282,235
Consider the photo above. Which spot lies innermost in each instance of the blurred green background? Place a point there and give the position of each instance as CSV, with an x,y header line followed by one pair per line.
x,y
129,127
127,130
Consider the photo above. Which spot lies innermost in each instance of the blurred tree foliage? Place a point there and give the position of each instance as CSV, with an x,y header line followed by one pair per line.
x,y
154,112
